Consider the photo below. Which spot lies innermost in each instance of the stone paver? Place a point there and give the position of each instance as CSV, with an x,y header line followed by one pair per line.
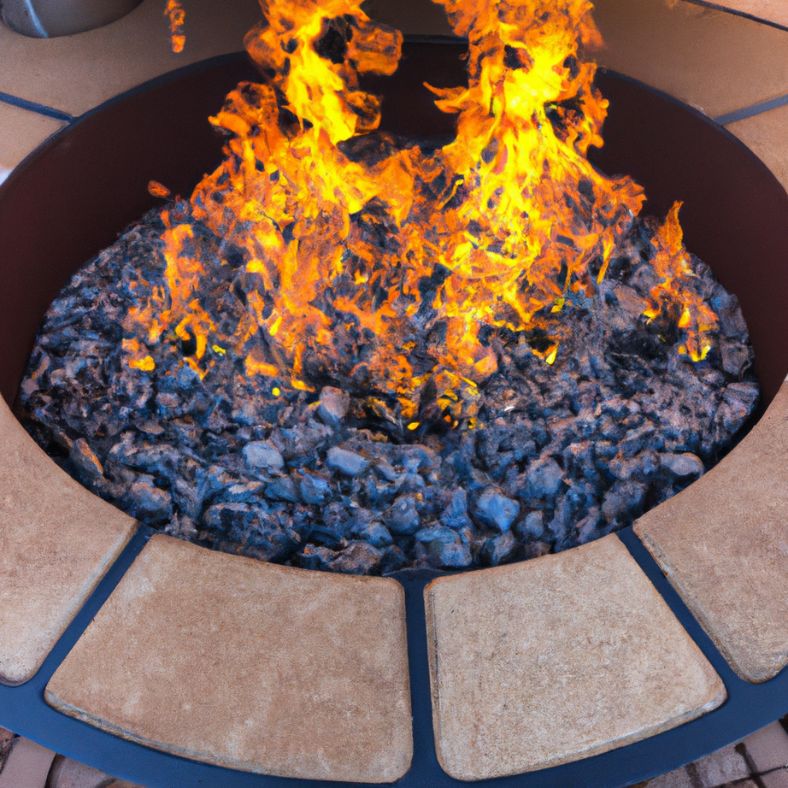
x,y
56,542
20,132
249,665
75,73
556,659
723,544
27,766
768,748
766,135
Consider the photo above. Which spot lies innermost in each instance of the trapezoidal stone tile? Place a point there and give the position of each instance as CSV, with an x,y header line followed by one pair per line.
x,y
21,132
76,73
713,60
765,134
248,665
775,11
556,659
723,544
57,541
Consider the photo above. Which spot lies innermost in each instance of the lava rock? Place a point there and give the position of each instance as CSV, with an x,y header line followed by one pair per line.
x,y
498,549
314,488
358,558
145,501
682,465
495,510
403,515
84,461
333,405
453,555
544,478
346,462
263,456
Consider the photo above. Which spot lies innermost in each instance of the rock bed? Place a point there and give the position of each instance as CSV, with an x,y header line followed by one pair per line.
x,y
563,454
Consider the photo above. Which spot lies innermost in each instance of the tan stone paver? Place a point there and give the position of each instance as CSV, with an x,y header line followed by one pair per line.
x,y
57,540
766,135
723,544
75,73
21,132
249,665
556,659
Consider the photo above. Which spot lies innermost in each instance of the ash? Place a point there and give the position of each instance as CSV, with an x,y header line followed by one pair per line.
x,y
334,479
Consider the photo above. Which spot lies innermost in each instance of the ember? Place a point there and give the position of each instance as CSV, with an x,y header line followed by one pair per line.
x,y
355,352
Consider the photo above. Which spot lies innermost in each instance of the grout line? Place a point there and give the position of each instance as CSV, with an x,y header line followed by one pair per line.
x,y
735,12
752,110
34,106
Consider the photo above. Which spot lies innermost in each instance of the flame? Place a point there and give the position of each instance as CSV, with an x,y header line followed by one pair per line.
x,y
671,263
494,232
176,21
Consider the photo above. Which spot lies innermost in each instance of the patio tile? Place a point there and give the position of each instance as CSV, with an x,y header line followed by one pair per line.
x,y
76,73
720,768
249,665
557,659
20,132
27,766
715,61
723,544
768,748
766,135
56,542
768,10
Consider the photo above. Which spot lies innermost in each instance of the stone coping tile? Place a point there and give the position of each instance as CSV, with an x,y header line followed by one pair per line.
x,y
769,10
57,540
767,135
21,131
78,72
723,544
248,665
713,60
556,659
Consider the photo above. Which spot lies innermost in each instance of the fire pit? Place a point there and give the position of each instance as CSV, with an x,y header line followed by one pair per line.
x,y
673,151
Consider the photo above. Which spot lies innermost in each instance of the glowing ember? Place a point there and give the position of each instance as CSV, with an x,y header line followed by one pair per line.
x,y
491,234
176,20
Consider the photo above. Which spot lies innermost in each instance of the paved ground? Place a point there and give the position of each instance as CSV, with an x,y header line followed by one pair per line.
x,y
760,761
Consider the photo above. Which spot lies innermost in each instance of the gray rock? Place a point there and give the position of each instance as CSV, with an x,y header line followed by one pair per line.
x,y
375,533
495,510
283,489
436,533
314,488
497,549
451,556
682,465
145,501
358,558
84,461
531,526
544,478
333,405
263,456
346,462
403,516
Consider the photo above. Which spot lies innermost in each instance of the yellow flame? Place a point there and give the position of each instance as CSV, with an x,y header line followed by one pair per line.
x,y
495,231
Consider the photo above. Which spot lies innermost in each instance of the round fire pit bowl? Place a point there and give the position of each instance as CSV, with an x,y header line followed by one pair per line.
x,y
72,197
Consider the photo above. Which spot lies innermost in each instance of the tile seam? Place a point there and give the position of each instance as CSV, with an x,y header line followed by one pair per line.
x,y
35,107
752,110
735,12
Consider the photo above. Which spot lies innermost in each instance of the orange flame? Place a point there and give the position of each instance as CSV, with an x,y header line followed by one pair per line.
x,y
494,231
176,20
